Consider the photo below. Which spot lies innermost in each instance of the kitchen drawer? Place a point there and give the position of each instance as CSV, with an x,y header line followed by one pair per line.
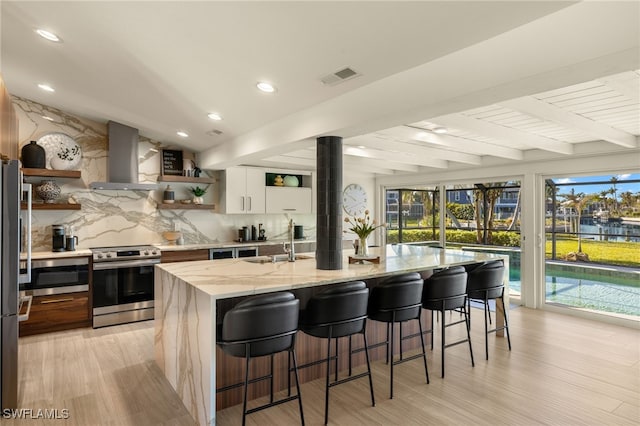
x,y
57,312
184,255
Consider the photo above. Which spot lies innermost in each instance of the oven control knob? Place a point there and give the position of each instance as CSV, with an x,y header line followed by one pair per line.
x,y
154,252
99,255
146,252
108,254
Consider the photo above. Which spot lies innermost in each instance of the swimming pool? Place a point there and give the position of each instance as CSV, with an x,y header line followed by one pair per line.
x,y
579,289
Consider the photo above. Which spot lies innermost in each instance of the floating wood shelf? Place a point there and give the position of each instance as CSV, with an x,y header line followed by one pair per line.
x,y
52,206
185,179
74,174
191,206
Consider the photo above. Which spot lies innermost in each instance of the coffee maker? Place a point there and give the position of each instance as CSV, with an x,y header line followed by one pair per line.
x,y
57,238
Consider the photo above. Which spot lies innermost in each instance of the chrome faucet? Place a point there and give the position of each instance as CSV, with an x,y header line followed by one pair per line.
x,y
291,251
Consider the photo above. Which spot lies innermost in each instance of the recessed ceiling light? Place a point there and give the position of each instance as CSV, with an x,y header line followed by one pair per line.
x,y
153,150
182,134
46,87
214,116
48,35
46,117
440,130
361,146
266,87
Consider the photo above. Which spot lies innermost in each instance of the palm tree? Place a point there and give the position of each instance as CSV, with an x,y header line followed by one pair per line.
x,y
579,202
614,192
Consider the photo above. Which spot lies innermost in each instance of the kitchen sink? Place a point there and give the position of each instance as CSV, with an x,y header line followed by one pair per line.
x,y
276,258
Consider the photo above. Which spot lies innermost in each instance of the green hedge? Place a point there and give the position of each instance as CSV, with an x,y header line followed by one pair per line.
x,y
500,238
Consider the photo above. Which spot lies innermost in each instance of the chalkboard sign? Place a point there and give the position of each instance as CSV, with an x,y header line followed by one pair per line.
x,y
171,162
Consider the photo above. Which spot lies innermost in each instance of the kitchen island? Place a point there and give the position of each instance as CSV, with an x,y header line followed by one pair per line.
x,y
190,298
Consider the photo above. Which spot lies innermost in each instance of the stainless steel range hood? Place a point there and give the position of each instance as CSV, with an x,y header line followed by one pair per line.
x,y
122,160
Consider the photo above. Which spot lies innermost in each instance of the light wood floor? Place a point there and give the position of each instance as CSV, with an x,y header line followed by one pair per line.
x,y
562,371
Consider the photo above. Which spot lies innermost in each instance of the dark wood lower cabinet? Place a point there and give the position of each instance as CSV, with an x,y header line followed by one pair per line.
x,y
184,255
57,312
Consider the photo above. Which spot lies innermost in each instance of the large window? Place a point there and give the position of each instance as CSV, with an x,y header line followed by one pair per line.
x,y
593,243
485,214
412,216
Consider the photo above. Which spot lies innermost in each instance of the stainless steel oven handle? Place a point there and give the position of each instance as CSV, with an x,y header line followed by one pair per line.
x,y
124,264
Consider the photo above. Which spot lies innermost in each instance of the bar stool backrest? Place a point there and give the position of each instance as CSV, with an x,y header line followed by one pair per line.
x,y
448,286
261,317
395,293
486,279
336,306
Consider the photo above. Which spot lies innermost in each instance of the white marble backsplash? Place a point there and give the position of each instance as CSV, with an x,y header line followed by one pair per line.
x,y
110,218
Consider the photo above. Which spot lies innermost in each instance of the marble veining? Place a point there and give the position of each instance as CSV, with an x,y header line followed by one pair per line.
x,y
186,294
110,218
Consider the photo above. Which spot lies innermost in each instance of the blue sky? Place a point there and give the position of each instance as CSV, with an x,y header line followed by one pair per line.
x,y
622,185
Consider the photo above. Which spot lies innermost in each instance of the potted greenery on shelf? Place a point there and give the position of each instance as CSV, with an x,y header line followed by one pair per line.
x,y
197,194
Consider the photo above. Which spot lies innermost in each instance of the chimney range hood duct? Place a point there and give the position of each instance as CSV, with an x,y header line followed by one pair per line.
x,y
122,160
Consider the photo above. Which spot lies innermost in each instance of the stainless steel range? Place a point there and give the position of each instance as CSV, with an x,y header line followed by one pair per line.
x,y
123,284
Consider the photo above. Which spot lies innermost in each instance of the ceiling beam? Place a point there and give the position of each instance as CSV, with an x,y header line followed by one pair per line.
x,y
468,145
503,135
398,157
395,139
548,112
352,162
625,84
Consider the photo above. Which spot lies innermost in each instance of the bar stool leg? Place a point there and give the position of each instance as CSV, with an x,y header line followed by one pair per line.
x,y
391,357
442,338
506,321
486,328
295,367
424,354
366,355
432,330
466,318
326,391
246,383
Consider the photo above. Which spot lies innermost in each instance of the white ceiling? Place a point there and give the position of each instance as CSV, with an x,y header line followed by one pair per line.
x,y
510,80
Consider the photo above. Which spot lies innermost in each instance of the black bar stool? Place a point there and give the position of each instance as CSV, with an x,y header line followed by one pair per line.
x,y
396,300
484,283
446,290
259,326
338,311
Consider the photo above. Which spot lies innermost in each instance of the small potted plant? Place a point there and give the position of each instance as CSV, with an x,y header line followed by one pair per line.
x,y
197,194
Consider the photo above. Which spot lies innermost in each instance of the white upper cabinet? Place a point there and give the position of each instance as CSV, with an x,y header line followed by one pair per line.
x,y
289,200
255,190
243,191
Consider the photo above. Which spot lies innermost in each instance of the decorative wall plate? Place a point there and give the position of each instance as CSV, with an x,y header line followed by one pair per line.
x,y
62,152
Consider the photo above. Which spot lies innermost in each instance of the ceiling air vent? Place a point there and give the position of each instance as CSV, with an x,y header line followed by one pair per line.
x,y
339,76
214,132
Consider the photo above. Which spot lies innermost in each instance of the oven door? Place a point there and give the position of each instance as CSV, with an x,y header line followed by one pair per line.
x,y
121,283
56,276
123,292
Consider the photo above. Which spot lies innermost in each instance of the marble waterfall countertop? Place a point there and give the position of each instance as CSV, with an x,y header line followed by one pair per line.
x,y
241,277
186,296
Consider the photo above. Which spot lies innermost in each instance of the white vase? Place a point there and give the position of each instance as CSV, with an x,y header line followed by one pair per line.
x,y
197,200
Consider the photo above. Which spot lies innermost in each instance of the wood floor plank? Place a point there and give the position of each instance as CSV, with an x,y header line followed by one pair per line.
x,y
562,370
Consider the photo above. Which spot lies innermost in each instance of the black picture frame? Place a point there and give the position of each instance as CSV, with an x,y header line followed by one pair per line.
x,y
171,162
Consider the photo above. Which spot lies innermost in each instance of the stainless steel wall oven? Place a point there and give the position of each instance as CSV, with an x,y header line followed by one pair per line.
x,y
123,284
57,276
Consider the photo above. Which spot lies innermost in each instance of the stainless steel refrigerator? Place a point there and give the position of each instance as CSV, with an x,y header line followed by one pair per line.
x,y
11,193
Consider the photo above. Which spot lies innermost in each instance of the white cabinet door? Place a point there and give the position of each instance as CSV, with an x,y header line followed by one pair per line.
x,y
288,200
244,190
255,193
235,190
